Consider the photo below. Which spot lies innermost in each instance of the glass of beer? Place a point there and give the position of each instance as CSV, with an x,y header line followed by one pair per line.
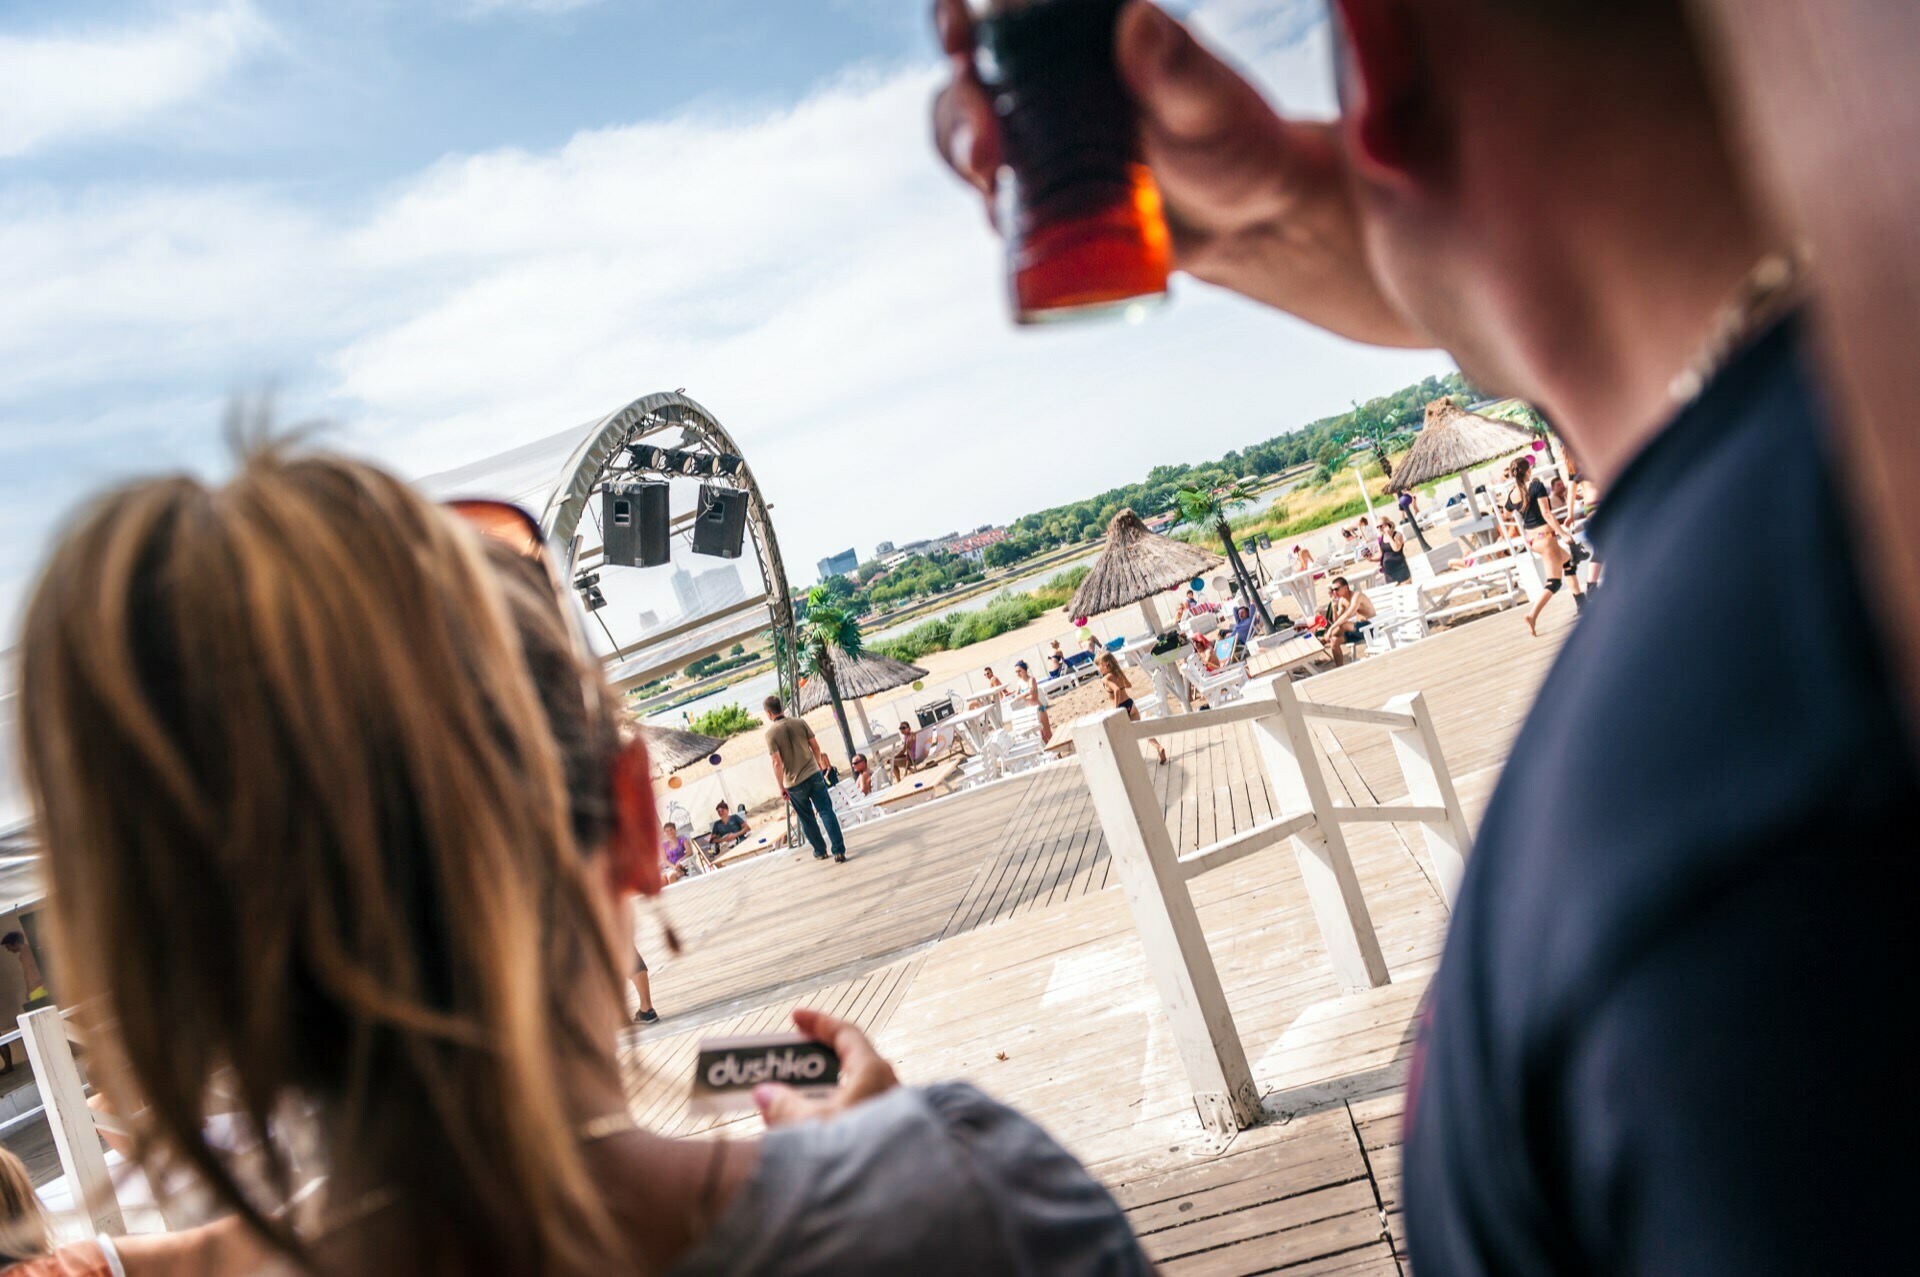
x,y
1080,213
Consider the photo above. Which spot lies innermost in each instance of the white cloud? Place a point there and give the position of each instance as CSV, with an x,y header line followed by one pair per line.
x,y
811,275
484,7
69,86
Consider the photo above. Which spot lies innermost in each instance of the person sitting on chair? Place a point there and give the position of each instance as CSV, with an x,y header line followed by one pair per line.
x,y
862,773
910,754
729,830
1348,612
1204,653
677,851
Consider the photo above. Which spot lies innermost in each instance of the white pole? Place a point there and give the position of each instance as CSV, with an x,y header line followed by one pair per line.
x,y
1148,610
1364,498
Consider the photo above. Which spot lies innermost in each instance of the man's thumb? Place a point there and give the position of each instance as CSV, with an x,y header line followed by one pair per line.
x,y
1184,92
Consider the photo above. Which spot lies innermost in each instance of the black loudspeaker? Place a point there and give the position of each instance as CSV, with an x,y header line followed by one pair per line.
x,y
721,525
633,524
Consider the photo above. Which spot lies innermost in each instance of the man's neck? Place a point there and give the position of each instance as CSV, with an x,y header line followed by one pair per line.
x,y
1617,284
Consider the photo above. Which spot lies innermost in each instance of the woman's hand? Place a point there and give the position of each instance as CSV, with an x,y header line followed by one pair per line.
x,y
863,1074
1256,203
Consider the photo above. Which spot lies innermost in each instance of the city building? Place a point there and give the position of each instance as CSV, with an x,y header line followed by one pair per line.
x,y
707,592
974,544
882,550
841,564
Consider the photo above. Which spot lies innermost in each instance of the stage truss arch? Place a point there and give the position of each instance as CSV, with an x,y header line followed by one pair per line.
x,y
606,453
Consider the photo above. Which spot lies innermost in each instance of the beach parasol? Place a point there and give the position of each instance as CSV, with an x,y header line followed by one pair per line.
x,y
670,749
1453,440
868,674
1136,564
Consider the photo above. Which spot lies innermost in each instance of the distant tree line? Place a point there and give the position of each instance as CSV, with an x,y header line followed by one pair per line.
x,y
1382,425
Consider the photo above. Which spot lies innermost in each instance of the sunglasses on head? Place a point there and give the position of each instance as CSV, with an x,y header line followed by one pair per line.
x,y
517,529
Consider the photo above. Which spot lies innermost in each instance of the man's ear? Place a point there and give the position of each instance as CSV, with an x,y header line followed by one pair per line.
x,y
634,847
1385,100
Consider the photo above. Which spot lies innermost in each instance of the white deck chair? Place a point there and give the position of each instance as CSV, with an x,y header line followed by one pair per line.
x,y
1398,618
1219,689
1012,754
850,806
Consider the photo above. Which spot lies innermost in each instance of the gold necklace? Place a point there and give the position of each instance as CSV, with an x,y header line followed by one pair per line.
x,y
1767,291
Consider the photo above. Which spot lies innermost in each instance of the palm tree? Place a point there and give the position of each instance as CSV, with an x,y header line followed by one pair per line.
x,y
1208,508
829,630
1372,426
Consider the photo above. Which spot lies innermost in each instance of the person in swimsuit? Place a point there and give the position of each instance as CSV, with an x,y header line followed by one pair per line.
x,y
1114,679
1347,615
1527,504
1027,692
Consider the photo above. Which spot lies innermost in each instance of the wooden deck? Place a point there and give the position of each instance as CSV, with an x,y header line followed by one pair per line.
x,y
975,937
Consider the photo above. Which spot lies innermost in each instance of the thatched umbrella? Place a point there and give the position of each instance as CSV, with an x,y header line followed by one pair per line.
x,y
670,749
1136,564
1453,440
867,674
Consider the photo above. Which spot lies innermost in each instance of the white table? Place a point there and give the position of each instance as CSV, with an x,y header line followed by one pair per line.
x,y
976,723
1473,530
974,700
1299,587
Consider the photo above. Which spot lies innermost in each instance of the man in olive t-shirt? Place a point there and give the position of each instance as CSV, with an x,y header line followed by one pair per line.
x,y
799,765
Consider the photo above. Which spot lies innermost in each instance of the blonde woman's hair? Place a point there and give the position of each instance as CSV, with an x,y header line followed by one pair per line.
x,y
23,1221
313,830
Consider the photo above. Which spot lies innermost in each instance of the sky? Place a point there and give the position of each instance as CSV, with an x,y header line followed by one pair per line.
x,y
447,227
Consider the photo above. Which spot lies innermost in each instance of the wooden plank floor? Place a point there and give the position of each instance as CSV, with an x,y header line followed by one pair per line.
x,y
976,938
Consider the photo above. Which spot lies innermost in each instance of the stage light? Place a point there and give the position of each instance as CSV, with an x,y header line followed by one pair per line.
x,y
728,464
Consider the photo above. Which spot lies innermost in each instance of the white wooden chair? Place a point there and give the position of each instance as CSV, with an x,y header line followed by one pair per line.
x,y
1397,618
1229,684
1023,722
1015,754
850,806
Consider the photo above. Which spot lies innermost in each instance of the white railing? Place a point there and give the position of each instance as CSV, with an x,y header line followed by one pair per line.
x,y
1155,876
75,1126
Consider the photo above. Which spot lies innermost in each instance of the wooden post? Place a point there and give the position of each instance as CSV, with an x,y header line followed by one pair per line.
x,y
1430,784
1163,913
64,1097
1286,748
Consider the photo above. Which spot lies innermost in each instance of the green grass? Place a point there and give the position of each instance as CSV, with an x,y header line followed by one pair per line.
x,y
727,720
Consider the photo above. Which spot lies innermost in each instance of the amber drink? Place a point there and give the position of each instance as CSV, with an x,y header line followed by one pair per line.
x,y
1080,212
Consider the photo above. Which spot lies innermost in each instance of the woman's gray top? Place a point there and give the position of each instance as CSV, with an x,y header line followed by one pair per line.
x,y
922,1181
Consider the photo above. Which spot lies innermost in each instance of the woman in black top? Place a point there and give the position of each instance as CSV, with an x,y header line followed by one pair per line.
x,y
1526,503
1393,554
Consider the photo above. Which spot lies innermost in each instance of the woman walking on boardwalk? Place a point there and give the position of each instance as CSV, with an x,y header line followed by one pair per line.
x,y
1114,679
1526,504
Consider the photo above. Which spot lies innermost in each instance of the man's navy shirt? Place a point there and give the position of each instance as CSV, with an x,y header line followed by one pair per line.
x,y
1670,1033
